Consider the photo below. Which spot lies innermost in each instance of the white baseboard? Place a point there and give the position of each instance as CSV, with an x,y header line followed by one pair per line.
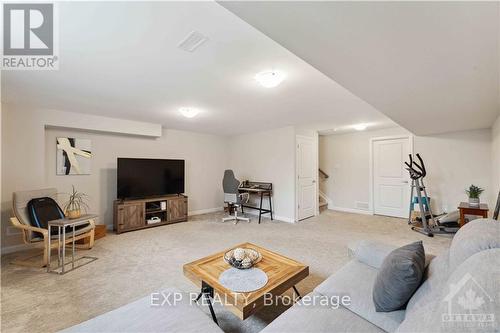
x,y
275,217
350,210
283,219
205,211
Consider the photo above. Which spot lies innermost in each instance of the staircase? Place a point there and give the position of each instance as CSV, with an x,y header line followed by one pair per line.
x,y
323,204
322,198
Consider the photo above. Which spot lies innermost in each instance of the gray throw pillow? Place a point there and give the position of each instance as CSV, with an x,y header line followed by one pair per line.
x,y
399,277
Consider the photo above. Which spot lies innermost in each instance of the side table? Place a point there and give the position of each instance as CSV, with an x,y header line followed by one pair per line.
x,y
466,209
61,225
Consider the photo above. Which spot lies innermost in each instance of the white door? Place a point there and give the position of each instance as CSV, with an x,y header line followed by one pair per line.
x,y
391,188
306,181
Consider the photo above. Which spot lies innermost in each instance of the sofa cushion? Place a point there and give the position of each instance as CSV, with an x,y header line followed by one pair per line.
x,y
435,277
373,253
142,316
399,276
356,280
475,236
312,316
370,252
472,289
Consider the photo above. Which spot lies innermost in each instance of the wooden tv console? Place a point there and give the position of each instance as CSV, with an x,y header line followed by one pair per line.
x,y
129,215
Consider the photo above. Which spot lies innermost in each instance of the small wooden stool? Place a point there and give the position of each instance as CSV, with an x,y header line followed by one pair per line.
x,y
99,232
466,209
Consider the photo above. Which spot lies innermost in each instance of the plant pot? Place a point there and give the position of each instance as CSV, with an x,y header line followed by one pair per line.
x,y
73,214
474,202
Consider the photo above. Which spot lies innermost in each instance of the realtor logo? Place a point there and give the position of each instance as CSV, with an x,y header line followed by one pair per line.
x,y
29,33
468,305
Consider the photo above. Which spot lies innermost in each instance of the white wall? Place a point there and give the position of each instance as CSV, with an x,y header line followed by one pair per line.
x,y
269,157
28,162
495,160
453,161
346,159
29,149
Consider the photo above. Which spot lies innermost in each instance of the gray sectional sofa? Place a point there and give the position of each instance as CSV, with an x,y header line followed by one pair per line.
x,y
473,258
464,280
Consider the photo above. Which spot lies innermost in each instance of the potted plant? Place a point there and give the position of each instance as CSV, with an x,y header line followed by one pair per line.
x,y
76,203
474,192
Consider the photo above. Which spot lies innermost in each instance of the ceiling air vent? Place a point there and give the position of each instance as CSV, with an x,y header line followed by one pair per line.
x,y
192,41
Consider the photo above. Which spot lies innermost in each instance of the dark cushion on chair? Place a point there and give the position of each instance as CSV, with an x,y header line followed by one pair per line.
x,y
399,277
20,201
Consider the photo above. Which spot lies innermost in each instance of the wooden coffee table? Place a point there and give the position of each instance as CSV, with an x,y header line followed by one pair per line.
x,y
283,273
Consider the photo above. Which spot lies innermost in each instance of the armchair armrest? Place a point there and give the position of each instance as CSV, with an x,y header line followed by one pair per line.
x,y
371,253
92,223
15,222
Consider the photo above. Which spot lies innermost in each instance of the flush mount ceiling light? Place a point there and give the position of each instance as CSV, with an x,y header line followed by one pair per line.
x,y
270,79
360,127
189,112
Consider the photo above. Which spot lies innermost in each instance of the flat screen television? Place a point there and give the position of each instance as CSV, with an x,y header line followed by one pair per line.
x,y
145,177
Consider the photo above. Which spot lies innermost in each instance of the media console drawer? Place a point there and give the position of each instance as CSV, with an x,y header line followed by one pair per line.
x,y
138,214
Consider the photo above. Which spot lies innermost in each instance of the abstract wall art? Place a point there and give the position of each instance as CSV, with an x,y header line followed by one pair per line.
x,y
73,156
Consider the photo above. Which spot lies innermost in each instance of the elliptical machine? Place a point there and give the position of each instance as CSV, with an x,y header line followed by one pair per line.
x,y
430,225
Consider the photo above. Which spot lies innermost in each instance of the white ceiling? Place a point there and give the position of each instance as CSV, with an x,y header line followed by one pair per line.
x,y
432,67
121,59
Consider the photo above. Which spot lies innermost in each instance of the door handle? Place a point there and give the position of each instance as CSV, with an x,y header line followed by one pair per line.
x,y
404,182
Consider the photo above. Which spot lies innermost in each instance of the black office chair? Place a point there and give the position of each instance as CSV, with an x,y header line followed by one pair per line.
x,y
497,208
232,197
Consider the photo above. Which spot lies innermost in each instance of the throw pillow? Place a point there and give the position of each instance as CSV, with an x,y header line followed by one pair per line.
x,y
399,277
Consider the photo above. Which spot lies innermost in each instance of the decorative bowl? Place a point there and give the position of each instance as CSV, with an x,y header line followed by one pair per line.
x,y
242,258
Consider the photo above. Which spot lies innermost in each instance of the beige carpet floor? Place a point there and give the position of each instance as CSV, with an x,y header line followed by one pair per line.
x,y
134,264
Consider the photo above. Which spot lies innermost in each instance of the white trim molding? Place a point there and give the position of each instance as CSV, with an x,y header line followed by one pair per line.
x,y
351,210
205,211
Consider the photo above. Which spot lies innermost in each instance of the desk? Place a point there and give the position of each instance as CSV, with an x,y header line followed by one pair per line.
x,y
261,189
466,209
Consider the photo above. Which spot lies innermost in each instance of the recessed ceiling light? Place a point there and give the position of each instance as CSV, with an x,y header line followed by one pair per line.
x,y
360,127
189,112
270,79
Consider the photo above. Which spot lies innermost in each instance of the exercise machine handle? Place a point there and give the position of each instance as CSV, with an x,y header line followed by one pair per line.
x,y
411,162
421,166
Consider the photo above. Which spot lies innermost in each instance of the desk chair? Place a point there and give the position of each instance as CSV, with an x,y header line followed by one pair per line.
x,y
232,197
497,208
